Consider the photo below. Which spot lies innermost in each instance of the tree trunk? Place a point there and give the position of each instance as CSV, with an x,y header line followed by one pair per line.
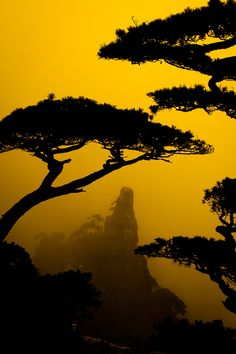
x,y
46,192
9,219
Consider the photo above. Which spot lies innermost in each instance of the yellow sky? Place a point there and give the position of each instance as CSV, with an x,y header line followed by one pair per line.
x,y
51,46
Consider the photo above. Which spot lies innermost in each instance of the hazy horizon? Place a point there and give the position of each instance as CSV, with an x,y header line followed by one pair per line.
x,y
52,47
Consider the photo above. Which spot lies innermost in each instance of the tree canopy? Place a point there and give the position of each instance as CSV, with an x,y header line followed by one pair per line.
x,y
187,99
208,256
222,200
39,312
217,258
185,40
53,127
175,39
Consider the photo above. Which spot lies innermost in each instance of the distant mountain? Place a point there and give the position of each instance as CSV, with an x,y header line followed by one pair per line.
x,y
132,300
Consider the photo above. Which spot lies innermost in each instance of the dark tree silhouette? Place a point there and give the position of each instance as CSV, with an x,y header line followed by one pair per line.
x,y
217,258
186,40
182,40
183,337
222,200
53,127
39,312
187,99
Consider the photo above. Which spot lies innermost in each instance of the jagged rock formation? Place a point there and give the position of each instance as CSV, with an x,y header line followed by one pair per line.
x,y
132,299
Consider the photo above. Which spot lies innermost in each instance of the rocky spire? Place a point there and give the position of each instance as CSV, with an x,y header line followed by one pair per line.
x,y
121,227
132,299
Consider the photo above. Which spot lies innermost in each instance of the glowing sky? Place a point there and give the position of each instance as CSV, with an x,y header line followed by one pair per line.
x,y
51,46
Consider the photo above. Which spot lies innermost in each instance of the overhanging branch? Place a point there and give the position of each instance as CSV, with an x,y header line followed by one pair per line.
x,y
78,184
68,148
206,48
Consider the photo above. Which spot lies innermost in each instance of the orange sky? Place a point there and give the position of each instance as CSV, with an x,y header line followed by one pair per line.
x,y
52,47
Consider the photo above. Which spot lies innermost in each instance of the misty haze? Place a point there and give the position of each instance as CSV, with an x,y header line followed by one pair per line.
x,y
118,188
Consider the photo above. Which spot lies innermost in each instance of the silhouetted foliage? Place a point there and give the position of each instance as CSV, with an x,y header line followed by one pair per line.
x,y
185,40
222,200
172,38
54,127
183,337
182,40
41,312
187,99
217,258
45,128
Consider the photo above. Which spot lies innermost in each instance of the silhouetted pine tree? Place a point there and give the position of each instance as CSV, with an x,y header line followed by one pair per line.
x,y
53,127
182,40
217,258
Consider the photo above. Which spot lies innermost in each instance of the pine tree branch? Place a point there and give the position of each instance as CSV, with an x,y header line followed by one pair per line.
x,y
55,168
69,148
78,184
206,48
